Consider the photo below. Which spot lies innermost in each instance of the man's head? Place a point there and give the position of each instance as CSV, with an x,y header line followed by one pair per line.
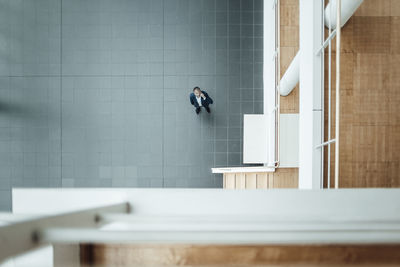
x,y
197,91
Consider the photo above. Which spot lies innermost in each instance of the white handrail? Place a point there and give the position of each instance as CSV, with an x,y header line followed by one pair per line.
x,y
327,41
264,234
326,143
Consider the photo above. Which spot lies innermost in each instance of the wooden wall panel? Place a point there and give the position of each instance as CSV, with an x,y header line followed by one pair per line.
x,y
371,34
370,97
393,174
347,44
375,8
395,34
395,8
284,178
289,12
290,35
118,255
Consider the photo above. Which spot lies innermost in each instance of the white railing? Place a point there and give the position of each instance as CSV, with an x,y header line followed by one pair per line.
x,y
274,129
339,16
113,224
23,236
328,43
206,217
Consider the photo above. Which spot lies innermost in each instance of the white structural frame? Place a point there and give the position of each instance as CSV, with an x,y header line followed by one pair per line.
x,y
311,94
277,82
337,118
271,78
331,34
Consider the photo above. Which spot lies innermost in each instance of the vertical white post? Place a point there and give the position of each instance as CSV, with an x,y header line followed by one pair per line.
x,y
337,123
311,115
329,95
277,82
269,73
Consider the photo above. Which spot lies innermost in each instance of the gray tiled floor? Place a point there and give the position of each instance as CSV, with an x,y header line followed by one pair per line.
x,y
95,93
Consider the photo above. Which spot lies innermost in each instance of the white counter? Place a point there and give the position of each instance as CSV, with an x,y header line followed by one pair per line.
x,y
242,169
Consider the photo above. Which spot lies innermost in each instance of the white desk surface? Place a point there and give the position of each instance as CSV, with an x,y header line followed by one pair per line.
x,y
242,169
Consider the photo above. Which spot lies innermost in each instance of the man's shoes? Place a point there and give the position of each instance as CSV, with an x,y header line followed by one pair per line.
x,y
208,109
198,110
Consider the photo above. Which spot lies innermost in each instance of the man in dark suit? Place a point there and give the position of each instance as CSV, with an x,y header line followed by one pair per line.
x,y
200,99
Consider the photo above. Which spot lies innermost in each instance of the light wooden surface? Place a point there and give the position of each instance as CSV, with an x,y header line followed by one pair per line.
x,y
250,255
282,178
289,12
370,97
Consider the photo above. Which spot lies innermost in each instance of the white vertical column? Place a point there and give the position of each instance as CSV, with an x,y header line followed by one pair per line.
x,y
311,115
337,123
269,74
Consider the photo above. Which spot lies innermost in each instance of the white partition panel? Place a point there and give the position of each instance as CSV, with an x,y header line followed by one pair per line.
x,y
255,139
289,141
257,136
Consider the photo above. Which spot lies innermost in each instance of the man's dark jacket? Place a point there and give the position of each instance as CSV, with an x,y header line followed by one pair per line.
x,y
204,102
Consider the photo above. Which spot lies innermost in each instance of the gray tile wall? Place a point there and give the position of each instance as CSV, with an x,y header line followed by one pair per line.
x,y
96,93
30,88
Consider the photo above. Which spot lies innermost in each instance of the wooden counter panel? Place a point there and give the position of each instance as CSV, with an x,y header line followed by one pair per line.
x,y
281,178
262,180
251,181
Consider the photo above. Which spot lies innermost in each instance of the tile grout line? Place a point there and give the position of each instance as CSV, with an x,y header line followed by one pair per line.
x,y
240,81
214,179
72,76
61,95
163,107
253,14
228,83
